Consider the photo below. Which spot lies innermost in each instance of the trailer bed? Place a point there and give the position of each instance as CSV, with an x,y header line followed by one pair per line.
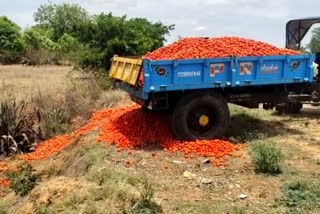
x,y
188,74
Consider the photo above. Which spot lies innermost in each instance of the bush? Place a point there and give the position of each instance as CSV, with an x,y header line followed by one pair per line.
x,y
54,116
16,127
300,196
267,157
146,204
22,181
40,49
11,43
10,36
56,122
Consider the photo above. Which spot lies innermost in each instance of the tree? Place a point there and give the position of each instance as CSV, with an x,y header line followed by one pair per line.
x,y
38,38
63,18
97,38
314,44
10,36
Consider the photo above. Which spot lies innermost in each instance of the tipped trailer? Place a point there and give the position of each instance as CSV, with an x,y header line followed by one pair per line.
x,y
197,90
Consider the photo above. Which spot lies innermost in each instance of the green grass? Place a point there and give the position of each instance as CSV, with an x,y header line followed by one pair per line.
x,y
267,157
248,125
300,196
216,207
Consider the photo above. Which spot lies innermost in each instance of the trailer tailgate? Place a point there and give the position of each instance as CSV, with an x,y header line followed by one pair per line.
x,y
125,69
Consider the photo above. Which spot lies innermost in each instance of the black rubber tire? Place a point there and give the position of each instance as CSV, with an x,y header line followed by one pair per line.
x,y
188,105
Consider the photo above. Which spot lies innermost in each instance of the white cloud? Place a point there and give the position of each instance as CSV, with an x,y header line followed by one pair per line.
x,y
199,28
218,2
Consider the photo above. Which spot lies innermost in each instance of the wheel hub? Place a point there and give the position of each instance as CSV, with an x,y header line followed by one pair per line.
x,y
203,120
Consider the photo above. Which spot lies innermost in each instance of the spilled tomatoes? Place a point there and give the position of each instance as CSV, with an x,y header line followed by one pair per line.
x,y
128,127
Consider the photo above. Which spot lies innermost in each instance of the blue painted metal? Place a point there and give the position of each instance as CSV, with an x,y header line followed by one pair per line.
x,y
223,73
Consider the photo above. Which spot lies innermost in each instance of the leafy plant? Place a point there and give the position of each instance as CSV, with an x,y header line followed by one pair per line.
x,y
314,44
10,35
300,196
146,204
267,157
22,181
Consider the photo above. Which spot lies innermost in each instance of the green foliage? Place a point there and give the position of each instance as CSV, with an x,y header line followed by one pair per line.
x,y
67,43
10,36
314,44
38,38
23,181
40,49
95,39
11,43
66,32
267,157
300,196
62,18
146,204
5,204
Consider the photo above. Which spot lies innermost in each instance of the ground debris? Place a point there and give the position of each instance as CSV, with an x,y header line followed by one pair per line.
x,y
205,161
205,180
243,196
189,175
178,162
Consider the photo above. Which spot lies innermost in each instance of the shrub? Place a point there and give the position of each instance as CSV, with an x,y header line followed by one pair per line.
x,y
23,181
267,157
11,43
40,49
146,204
56,122
300,196
16,127
54,116
10,36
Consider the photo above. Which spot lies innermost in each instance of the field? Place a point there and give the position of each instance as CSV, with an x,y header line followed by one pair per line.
x,y
86,177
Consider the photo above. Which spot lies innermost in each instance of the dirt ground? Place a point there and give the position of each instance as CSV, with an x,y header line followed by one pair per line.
x,y
207,190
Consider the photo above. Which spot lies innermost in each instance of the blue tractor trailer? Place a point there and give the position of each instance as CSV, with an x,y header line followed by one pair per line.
x,y
197,90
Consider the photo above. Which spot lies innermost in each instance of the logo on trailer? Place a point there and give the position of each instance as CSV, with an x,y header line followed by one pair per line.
x,y
161,71
269,69
246,68
216,69
294,65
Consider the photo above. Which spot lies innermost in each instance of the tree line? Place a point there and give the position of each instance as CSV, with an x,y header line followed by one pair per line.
x,y
67,33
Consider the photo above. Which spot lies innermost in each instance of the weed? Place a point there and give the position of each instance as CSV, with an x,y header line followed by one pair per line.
x,y
267,157
22,181
145,204
6,203
300,196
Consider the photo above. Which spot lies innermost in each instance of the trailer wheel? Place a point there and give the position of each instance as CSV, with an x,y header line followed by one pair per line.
x,y
200,116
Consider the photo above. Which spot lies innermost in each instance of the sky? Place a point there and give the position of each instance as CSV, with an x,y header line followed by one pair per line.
x,y
262,20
